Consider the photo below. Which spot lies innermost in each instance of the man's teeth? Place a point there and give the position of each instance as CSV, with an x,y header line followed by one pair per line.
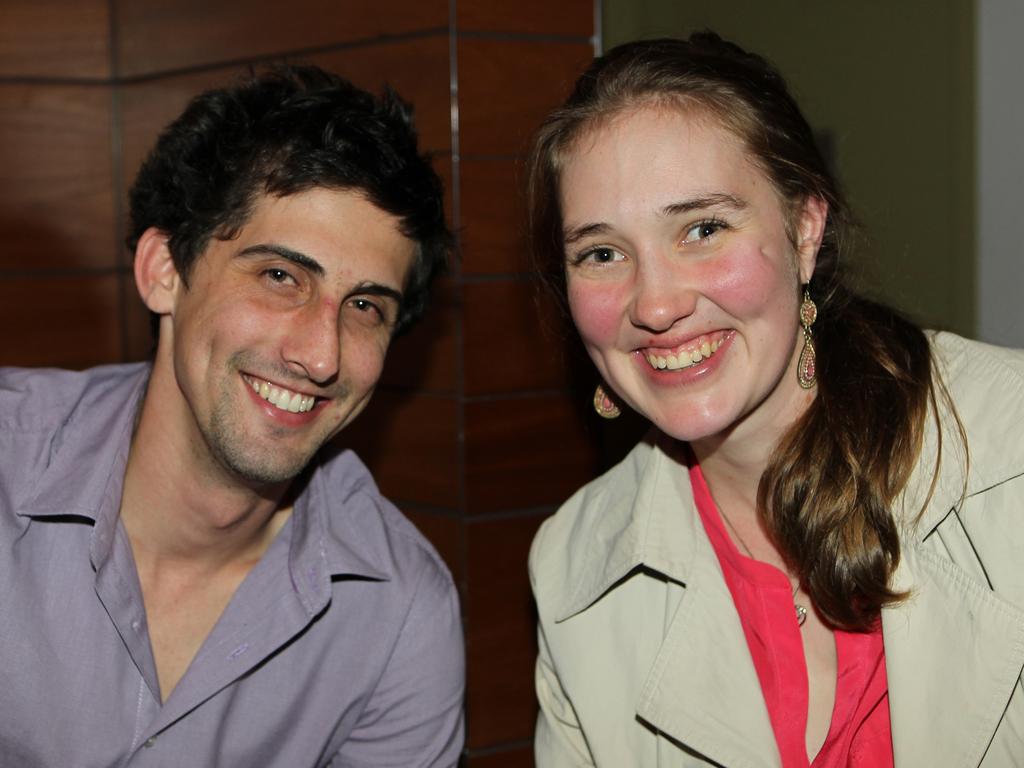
x,y
682,359
282,398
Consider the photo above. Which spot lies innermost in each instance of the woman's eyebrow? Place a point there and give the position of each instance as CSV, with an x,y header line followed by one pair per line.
x,y
301,259
722,200
706,201
585,230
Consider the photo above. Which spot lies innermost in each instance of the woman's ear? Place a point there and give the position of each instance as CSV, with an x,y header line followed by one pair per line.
x,y
810,233
156,277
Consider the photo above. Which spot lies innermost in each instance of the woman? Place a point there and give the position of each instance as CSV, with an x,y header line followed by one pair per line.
x,y
800,565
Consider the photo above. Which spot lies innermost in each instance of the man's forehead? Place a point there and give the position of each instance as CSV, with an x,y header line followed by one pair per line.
x,y
330,232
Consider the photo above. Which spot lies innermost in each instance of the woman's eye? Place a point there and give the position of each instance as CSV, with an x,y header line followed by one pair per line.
x,y
600,256
703,230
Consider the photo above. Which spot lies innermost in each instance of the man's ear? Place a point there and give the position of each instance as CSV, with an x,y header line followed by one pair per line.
x,y
156,277
810,232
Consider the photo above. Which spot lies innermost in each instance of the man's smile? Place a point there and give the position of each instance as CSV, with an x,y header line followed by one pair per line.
x,y
280,397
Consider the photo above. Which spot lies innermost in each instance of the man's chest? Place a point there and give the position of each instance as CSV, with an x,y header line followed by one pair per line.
x,y
269,684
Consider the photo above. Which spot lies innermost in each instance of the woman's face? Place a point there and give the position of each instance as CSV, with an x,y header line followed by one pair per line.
x,y
681,278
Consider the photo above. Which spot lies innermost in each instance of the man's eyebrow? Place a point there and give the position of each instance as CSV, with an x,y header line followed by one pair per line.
x,y
262,249
707,201
369,288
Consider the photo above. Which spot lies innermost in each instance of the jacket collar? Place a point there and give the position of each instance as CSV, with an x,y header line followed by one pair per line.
x,y
954,636
702,690
643,521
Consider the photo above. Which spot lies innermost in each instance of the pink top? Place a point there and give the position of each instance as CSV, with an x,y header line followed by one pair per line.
x,y
859,734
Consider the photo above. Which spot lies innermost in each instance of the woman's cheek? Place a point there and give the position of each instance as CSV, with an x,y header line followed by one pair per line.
x,y
597,311
746,284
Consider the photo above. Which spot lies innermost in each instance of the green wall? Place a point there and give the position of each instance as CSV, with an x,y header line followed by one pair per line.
x,y
893,84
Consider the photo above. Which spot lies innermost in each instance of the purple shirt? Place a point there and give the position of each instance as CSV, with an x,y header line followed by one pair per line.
x,y
342,647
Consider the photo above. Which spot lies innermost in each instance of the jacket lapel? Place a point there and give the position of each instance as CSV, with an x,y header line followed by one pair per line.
x,y
703,691
953,652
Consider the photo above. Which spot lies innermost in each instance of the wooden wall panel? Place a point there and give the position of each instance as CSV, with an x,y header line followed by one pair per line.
x,y
417,68
525,452
162,35
567,17
506,87
70,322
409,441
513,756
493,217
55,38
56,178
501,636
508,340
425,357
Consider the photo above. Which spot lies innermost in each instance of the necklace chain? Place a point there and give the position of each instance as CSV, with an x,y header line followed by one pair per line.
x,y
801,611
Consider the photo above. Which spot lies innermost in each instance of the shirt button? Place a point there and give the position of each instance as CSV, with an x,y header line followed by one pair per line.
x,y
150,742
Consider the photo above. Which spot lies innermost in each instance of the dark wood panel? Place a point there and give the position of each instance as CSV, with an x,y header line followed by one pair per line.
x,y
443,531
511,337
526,452
493,237
70,322
418,69
501,634
160,35
146,108
567,17
409,443
56,178
512,757
506,87
425,356
55,38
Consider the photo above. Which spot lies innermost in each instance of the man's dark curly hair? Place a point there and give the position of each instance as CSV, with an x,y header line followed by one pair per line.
x,y
286,131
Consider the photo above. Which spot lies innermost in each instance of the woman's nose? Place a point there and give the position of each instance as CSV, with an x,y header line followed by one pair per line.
x,y
662,295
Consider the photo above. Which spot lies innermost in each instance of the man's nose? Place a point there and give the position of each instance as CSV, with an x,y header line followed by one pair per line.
x,y
312,346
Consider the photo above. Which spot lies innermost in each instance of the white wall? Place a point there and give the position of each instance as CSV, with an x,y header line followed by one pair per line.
x,y
1000,169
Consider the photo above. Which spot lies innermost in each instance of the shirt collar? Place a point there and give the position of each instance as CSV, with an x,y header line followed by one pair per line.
x,y
333,533
89,448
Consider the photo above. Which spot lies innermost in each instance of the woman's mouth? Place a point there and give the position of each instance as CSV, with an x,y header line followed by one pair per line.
x,y
685,355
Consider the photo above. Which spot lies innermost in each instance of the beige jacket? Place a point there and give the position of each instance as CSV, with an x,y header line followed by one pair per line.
x,y
642,658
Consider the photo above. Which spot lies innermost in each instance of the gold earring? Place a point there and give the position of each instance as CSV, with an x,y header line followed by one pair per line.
x,y
604,405
806,372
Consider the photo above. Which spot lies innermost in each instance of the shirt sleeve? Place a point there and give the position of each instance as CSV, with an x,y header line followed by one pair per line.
x,y
415,717
559,740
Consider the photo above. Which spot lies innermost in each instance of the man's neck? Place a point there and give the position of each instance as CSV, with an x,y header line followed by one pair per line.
x,y
180,507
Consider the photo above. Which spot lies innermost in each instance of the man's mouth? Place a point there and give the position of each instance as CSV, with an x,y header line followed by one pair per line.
x,y
686,355
279,397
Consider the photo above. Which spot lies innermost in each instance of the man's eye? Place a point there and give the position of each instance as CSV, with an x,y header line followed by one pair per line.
x,y
368,307
279,276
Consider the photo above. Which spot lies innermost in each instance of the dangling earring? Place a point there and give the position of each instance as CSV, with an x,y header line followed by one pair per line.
x,y
604,405
806,372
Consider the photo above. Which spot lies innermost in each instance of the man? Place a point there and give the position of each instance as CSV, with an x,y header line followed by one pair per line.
x,y
187,577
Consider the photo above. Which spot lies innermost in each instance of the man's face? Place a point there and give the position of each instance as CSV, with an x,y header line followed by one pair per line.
x,y
280,337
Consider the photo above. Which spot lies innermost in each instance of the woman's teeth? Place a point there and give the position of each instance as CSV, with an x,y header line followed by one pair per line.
x,y
682,359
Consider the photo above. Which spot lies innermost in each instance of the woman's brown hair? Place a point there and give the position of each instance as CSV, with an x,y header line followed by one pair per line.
x,y
826,494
